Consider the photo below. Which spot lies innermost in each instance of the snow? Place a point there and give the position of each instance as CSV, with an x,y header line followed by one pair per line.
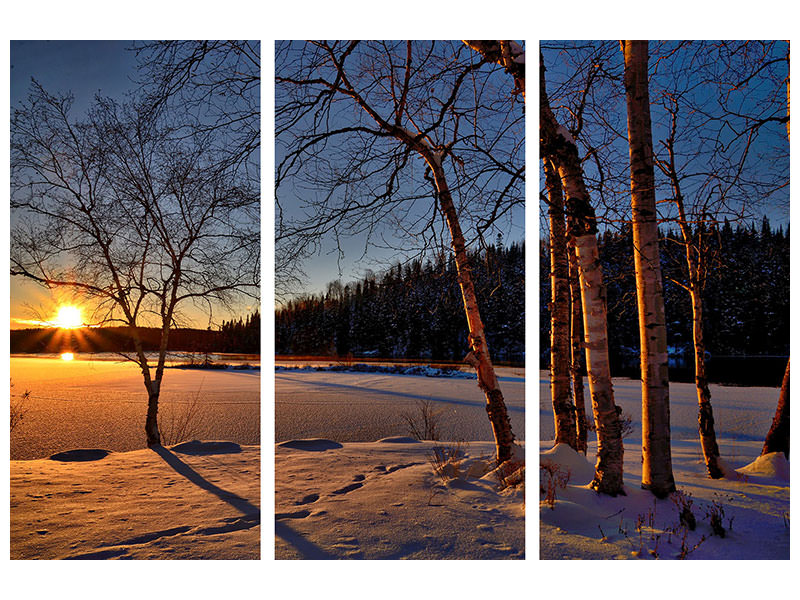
x,y
364,407
384,500
752,501
351,483
564,132
95,403
89,489
194,500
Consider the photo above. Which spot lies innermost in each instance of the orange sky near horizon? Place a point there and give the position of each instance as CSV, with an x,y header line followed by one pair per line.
x,y
34,306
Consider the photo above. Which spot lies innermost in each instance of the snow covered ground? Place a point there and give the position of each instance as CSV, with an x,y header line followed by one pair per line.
x,y
383,500
349,483
94,403
195,500
752,503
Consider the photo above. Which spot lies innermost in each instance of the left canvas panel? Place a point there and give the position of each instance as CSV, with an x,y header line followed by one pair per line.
x,y
135,295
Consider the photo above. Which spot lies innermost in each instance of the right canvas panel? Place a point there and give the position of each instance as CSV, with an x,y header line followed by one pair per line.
x,y
664,295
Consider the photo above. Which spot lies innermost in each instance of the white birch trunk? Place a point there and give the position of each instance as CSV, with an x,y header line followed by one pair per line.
x,y
563,409
576,330
557,145
656,452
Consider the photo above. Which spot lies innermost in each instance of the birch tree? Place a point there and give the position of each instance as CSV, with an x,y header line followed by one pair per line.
x,y
576,349
656,452
714,119
138,220
357,120
558,145
563,408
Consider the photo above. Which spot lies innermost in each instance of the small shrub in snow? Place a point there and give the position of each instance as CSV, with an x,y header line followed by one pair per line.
x,y
19,407
181,422
423,422
683,502
446,460
686,550
716,515
552,477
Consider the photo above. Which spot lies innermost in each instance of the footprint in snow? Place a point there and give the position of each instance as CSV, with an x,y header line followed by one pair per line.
x,y
308,499
346,489
298,514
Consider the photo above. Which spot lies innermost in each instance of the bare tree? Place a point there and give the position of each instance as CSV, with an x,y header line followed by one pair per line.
x,y
656,452
576,350
563,408
355,121
558,145
214,86
714,166
140,215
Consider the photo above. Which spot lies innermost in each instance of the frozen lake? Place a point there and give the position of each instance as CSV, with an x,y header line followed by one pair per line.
x,y
94,403
364,407
740,413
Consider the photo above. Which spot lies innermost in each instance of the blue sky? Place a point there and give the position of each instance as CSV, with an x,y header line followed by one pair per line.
x,y
84,68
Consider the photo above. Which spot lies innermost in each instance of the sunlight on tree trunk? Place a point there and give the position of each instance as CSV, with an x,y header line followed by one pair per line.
x,y
479,357
576,349
656,452
557,145
563,409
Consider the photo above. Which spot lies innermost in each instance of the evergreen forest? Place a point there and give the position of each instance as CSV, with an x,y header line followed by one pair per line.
x,y
746,297
411,310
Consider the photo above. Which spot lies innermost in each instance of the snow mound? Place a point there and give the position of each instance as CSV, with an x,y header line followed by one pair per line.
x,y
197,447
311,445
567,459
768,466
80,455
400,439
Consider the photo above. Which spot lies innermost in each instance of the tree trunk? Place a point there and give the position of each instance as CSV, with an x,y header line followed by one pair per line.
x,y
151,423
656,453
777,439
557,145
576,364
705,416
695,264
563,409
479,356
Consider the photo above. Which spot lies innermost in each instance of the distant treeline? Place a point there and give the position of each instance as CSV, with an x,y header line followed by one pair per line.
x,y
413,310
746,302
235,336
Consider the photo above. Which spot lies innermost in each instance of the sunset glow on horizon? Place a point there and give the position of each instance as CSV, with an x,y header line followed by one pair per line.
x,y
67,356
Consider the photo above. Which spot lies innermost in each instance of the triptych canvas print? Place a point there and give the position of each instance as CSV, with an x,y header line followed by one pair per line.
x,y
378,225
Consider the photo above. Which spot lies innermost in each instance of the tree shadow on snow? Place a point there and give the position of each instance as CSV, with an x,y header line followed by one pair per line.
x,y
308,550
241,504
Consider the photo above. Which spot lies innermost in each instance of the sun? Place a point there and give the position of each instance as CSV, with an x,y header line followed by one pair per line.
x,y
68,317
67,356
